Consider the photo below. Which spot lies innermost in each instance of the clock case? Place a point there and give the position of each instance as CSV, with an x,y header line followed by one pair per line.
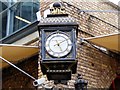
x,y
50,65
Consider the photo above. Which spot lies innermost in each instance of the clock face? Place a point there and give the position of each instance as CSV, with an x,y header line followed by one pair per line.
x,y
58,45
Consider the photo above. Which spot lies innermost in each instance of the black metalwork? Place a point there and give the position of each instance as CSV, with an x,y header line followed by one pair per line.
x,y
57,5
59,69
80,83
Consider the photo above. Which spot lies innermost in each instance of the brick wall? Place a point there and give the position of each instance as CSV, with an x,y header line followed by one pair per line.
x,y
99,69
12,78
96,67
98,5
91,5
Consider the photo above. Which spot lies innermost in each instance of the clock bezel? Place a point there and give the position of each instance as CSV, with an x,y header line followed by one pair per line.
x,y
58,54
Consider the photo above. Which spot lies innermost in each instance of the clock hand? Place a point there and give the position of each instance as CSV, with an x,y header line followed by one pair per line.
x,y
58,45
61,42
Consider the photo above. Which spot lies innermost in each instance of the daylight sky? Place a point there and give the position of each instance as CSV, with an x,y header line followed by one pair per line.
x,y
115,1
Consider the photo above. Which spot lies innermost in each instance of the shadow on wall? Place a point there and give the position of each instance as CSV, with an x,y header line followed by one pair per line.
x,y
14,79
115,84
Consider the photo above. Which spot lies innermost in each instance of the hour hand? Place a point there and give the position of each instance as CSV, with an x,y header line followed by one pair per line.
x,y
58,44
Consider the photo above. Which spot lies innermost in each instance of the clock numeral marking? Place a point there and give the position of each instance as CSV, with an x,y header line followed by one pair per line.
x,y
47,45
49,50
53,53
68,50
58,55
69,44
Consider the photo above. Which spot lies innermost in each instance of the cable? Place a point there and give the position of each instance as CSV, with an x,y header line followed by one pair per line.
x,y
84,11
106,52
109,11
17,68
85,41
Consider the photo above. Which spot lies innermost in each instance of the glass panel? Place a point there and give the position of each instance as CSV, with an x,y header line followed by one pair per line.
x,y
3,19
17,16
3,6
24,14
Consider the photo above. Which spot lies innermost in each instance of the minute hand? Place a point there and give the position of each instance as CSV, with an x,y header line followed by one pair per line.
x,y
61,42
58,45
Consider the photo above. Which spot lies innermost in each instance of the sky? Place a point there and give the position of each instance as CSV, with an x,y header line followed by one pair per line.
x,y
115,1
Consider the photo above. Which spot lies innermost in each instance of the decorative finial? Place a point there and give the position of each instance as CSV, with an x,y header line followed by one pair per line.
x,y
57,8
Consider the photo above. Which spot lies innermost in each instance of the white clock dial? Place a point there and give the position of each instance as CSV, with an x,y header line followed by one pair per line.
x,y
58,45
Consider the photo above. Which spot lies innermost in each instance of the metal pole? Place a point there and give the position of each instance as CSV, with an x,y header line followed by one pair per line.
x,y
17,68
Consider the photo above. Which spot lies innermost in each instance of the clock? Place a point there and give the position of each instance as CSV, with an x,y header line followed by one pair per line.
x,y
58,44
58,35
